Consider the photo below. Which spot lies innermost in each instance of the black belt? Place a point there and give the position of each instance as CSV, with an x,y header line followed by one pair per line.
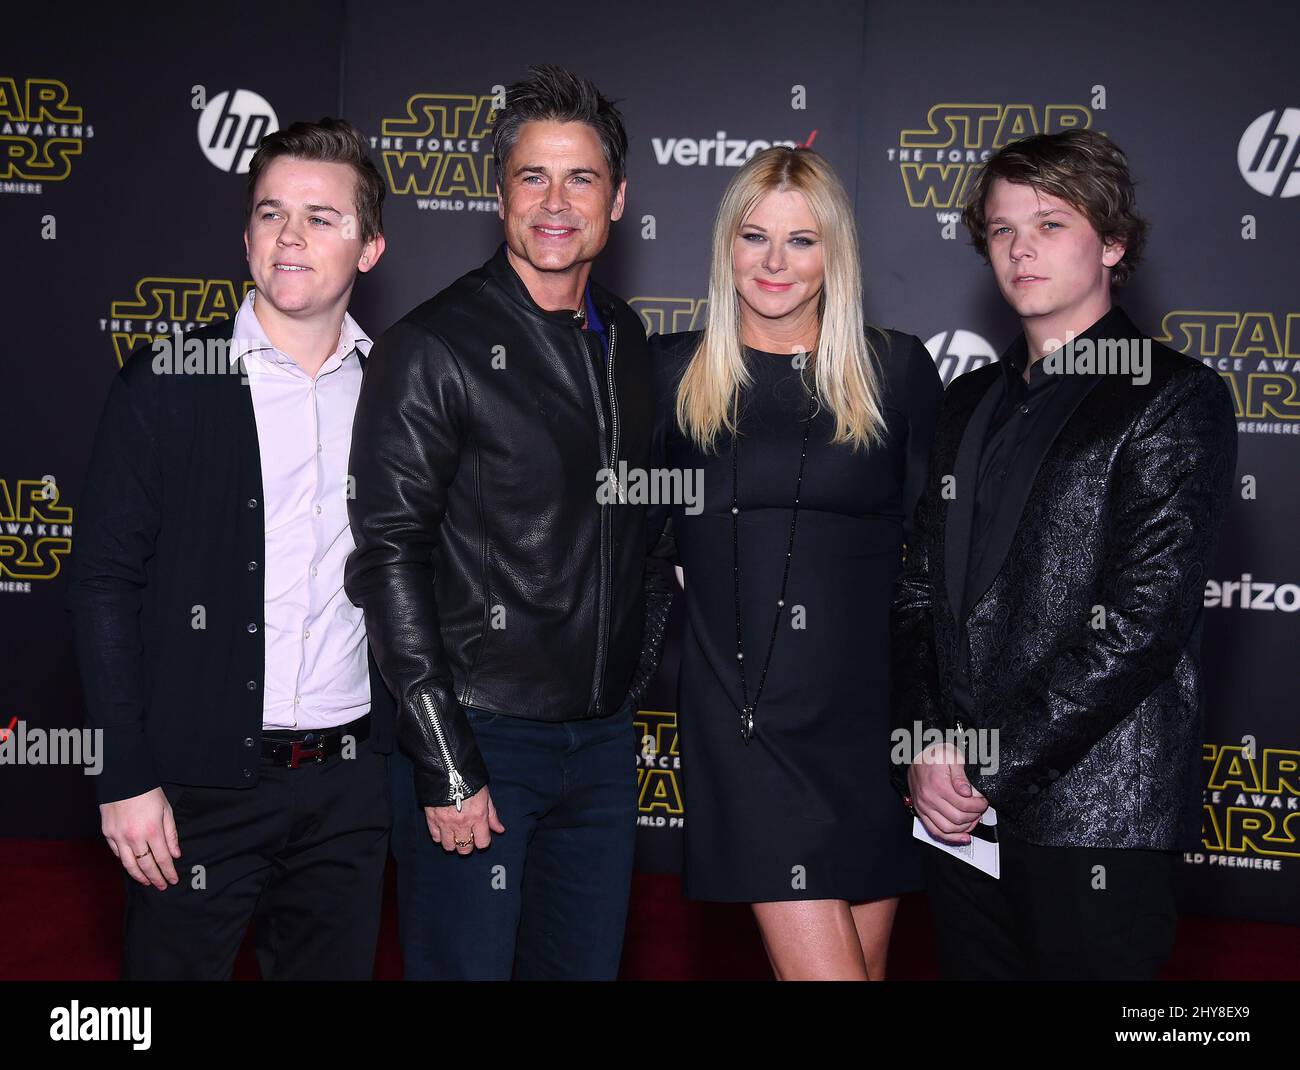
x,y
290,748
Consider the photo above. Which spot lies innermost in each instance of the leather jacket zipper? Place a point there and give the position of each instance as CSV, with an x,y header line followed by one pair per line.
x,y
613,414
613,467
608,461
459,789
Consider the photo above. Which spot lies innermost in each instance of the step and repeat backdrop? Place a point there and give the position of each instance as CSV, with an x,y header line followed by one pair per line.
x,y
125,138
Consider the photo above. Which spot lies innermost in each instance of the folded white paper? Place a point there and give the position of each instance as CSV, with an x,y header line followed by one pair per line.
x,y
979,853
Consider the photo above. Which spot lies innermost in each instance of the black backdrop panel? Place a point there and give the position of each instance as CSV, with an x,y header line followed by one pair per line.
x,y
122,203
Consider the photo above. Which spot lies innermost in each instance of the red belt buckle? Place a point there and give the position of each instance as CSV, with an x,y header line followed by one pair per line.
x,y
297,752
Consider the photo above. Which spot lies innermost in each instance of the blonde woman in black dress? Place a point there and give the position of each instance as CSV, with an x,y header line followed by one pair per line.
x,y
812,433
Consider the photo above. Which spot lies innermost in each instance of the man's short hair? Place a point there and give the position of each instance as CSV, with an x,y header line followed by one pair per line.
x,y
1082,167
554,94
326,141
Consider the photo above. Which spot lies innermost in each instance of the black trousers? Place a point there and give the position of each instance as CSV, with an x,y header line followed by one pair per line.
x,y
1057,913
301,854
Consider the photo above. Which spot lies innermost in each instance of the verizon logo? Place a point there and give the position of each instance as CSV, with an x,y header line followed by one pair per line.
x,y
1250,593
717,151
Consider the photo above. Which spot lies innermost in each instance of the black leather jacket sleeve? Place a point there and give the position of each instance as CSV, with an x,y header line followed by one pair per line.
x,y
659,589
406,448
1174,483
659,585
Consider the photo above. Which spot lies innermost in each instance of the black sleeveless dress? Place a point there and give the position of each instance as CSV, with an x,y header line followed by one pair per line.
x,y
805,809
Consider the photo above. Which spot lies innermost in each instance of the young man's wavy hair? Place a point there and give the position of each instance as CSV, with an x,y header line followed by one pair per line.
x,y
844,364
1082,167
326,141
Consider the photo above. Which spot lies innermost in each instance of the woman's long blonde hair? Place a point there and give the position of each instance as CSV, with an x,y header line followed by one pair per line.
x,y
844,364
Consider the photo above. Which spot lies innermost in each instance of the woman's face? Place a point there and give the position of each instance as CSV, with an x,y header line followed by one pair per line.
x,y
778,258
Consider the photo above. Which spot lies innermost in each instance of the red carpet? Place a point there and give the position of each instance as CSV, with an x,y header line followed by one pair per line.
x,y
63,911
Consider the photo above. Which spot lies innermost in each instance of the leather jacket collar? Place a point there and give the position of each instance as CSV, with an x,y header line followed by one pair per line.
x,y
500,268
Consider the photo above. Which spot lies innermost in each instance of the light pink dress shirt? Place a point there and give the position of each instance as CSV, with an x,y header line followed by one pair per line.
x,y
316,674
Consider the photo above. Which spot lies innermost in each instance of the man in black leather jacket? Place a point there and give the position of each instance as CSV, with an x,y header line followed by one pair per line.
x,y
501,567
1050,608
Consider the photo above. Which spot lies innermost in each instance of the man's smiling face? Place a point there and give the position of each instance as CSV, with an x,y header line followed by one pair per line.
x,y
557,199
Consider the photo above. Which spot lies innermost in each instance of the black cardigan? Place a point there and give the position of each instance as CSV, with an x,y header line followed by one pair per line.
x,y
167,578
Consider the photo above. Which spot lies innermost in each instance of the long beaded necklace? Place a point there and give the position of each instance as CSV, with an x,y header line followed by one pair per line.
x,y
747,712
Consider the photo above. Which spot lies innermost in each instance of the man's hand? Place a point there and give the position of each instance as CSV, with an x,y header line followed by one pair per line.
x,y
942,796
141,832
468,828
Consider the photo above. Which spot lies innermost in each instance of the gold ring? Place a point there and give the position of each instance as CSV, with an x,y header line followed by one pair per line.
x,y
144,855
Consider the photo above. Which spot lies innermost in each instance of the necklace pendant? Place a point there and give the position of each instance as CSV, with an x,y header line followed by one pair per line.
x,y
747,723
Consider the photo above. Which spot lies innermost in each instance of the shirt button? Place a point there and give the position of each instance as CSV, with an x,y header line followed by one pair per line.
x,y
319,447
252,628
252,503
248,741
251,685
248,774
318,510
252,566
1024,409
306,635
313,570
297,699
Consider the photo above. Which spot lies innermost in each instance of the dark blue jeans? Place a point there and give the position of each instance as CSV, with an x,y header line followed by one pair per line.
x,y
548,897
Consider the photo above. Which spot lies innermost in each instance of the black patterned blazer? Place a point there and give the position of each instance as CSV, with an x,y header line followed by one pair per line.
x,y
1084,626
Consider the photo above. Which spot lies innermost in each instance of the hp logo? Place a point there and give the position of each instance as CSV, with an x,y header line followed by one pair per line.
x,y
958,352
231,126
1269,153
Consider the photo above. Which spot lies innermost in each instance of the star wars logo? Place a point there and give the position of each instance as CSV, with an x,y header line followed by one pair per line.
x,y
164,305
659,794
40,133
1251,801
441,151
35,532
669,315
939,161
1256,353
